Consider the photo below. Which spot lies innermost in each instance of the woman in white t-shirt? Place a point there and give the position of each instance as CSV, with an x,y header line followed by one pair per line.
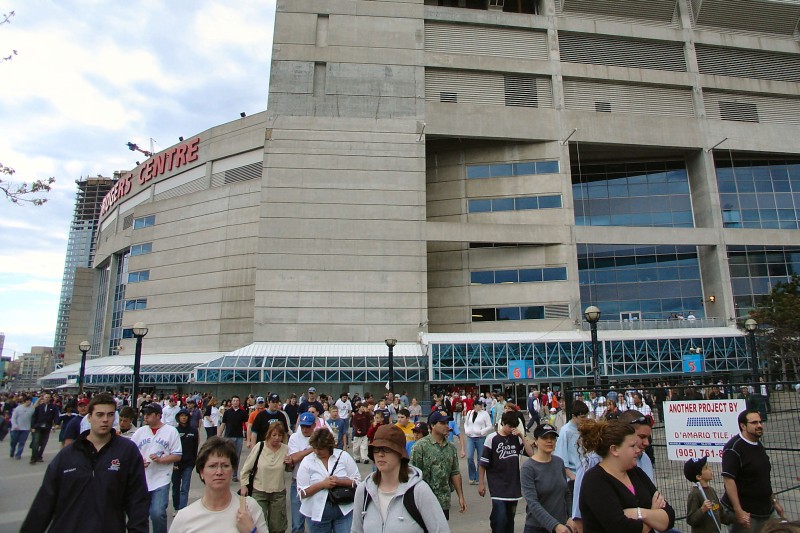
x,y
220,509
211,418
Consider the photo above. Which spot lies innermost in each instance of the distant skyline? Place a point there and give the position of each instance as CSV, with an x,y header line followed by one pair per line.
x,y
88,77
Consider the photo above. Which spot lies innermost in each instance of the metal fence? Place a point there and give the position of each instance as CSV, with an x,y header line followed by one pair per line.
x,y
780,411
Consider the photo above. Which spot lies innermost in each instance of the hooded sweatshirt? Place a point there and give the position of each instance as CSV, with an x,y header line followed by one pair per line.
x,y
398,519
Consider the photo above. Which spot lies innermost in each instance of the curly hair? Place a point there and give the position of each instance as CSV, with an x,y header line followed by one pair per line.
x,y
600,435
321,439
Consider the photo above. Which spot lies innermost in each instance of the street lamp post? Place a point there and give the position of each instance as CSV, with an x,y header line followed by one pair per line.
x,y
139,331
391,343
83,347
592,316
751,326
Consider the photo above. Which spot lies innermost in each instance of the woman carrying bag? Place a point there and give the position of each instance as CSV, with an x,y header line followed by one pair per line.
x,y
326,480
266,465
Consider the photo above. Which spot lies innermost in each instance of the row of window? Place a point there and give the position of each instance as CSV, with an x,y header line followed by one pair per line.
x,y
142,249
144,222
519,203
494,314
759,194
136,304
139,275
525,275
504,170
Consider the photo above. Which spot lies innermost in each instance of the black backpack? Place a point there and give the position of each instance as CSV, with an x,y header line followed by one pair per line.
x,y
408,502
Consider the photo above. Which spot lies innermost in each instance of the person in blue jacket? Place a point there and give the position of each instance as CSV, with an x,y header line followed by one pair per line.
x,y
96,484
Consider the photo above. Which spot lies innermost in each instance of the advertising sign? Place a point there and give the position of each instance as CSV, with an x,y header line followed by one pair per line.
x,y
692,362
700,428
520,369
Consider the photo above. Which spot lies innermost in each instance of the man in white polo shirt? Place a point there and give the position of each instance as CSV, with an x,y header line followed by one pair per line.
x,y
160,446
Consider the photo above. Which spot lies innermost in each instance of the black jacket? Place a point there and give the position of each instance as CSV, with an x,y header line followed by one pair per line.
x,y
45,416
189,443
89,491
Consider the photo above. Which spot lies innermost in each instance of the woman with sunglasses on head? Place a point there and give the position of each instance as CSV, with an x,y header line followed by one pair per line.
x,y
616,496
319,472
384,499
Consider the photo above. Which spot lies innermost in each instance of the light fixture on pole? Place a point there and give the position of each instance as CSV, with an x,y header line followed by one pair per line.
x,y
751,326
139,331
391,343
592,316
83,347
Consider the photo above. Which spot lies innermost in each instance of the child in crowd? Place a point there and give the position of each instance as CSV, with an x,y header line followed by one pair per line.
x,y
700,502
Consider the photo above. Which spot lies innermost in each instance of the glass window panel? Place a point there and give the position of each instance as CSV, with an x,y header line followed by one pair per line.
x,y
527,202
554,274
480,206
528,275
765,200
506,276
726,186
549,201
524,169
745,186
482,277
502,170
485,314
782,186
502,204
678,187
547,167
784,201
657,188
479,171
508,313
535,312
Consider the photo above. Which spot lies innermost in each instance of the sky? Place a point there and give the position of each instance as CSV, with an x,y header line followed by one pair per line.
x,y
88,77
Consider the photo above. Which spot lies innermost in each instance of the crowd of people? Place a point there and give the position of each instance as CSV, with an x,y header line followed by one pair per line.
x,y
591,473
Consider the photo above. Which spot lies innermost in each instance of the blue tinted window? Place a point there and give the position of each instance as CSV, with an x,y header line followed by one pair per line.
x,y
547,167
133,305
141,275
533,312
142,249
530,275
549,202
506,276
479,171
482,277
524,169
502,170
503,204
554,274
508,313
144,222
527,202
480,206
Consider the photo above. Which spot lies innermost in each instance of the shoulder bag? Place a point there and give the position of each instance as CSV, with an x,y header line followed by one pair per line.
x,y
341,495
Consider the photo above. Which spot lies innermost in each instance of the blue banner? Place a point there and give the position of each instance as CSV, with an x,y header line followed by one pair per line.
x,y
693,363
520,369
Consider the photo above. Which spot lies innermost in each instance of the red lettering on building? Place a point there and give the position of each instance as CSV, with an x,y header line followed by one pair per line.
x,y
165,161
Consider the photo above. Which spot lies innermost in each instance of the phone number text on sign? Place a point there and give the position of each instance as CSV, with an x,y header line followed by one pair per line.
x,y
700,428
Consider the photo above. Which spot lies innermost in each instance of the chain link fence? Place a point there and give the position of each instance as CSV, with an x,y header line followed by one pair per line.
x,y
779,408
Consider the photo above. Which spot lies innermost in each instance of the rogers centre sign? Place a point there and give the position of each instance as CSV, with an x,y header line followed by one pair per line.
x,y
175,157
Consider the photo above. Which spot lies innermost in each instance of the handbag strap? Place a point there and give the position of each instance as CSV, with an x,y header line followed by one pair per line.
x,y
336,463
255,465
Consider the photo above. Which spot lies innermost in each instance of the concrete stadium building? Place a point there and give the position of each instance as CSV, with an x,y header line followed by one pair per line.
x,y
466,176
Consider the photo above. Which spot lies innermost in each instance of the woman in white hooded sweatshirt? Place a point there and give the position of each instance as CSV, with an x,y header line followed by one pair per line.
x,y
381,501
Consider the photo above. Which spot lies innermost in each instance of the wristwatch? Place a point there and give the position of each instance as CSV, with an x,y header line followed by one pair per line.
x,y
639,513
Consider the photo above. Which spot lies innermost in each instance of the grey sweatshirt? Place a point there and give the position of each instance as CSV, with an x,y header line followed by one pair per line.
x,y
544,487
21,417
397,518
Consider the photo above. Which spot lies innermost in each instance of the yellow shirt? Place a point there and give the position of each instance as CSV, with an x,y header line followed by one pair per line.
x,y
408,429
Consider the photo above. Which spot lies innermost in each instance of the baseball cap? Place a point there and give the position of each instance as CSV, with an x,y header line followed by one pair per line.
x,y
420,427
260,399
83,401
306,419
274,397
544,429
436,417
312,389
693,467
152,408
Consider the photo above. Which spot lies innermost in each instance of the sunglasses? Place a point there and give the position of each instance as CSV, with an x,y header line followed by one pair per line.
x,y
383,450
639,421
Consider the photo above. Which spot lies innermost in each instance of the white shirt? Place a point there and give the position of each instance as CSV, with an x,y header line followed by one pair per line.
x,y
312,470
214,416
482,425
166,441
297,443
195,518
345,408
168,415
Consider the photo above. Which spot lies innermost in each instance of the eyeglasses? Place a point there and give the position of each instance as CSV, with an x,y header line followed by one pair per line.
x,y
383,450
639,421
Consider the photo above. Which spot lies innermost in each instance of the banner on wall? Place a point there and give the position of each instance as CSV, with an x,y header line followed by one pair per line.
x,y
520,369
693,363
700,428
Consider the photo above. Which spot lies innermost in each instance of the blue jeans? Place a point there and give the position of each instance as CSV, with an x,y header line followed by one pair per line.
x,y
159,499
237,442
298,520
501,518
474,446
18,438
181,479
332,521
